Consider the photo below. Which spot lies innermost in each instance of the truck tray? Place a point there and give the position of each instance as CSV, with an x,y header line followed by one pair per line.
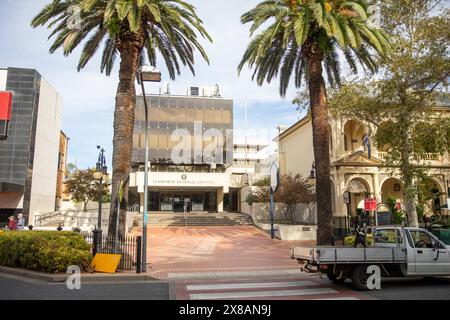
x,y
328,255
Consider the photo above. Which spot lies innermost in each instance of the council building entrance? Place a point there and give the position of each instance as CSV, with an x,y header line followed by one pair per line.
x,y
180,201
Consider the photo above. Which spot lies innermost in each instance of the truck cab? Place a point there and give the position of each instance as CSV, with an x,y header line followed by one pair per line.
x,y
427,255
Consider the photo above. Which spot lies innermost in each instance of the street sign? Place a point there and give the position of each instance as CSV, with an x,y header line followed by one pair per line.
x,y
370,204
274,177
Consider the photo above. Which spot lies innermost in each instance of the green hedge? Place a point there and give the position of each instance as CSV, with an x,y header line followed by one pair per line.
x,y
46,251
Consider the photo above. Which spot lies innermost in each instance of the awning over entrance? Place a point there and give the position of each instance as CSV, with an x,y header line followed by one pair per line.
x,y
356,186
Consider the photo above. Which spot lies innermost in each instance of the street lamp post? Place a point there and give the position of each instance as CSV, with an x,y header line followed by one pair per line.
x,y
100,174
146,74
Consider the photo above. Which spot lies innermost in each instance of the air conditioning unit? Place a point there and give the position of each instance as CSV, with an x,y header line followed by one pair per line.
x,y
195,91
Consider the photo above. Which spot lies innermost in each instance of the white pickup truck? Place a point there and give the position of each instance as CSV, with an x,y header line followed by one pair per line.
x,y
399,252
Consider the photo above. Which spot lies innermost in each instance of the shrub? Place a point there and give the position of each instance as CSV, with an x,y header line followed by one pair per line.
x,y
47,251
350,240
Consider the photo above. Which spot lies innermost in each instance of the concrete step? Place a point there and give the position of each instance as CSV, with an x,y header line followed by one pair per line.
x,y
196,219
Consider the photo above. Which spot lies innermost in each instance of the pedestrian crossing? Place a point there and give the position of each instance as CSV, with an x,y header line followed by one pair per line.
x,y
292,289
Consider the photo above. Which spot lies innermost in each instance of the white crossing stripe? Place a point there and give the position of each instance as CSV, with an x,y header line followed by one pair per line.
x,y
197,287
230,274
339,298
261,294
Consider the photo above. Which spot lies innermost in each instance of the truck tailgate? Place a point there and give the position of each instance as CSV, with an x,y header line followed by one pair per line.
x,y
323,255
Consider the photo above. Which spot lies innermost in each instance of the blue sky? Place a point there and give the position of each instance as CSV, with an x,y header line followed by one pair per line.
x,y
89,95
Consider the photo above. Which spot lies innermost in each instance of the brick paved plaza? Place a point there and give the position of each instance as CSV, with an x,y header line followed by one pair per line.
x,y
216,249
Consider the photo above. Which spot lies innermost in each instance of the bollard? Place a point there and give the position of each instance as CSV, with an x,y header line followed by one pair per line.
x,y
97,239
139,255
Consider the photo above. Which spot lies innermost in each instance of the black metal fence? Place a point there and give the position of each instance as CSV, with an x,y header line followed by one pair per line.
x,y
129,247
344,226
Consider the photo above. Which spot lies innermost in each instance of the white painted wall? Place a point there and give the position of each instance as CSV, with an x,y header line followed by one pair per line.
x,y
3,77
43,188
296,152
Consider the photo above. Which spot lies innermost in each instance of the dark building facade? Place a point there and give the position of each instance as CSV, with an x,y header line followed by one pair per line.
x,y
34,103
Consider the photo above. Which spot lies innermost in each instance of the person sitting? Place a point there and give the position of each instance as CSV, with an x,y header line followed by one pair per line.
x,y
12,224
20,222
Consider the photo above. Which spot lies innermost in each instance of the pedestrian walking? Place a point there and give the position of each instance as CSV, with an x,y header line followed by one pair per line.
x,y
20,222
12,224
360,236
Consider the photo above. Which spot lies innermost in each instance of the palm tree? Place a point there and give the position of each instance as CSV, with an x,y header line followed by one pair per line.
x,y
132,30
301,37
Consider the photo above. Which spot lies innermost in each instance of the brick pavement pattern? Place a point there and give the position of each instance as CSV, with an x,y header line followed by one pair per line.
x,y
216,249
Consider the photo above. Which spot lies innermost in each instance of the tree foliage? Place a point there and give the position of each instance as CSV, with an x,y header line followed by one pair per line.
x,y
293,29
292,191
168,27
400,106
84,188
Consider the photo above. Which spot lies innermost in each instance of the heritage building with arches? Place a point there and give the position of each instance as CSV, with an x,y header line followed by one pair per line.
x,y
351,168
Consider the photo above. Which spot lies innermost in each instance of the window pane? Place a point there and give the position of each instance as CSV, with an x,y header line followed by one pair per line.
x,y
421,239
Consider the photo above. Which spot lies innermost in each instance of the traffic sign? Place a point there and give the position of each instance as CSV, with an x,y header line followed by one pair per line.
x,y
274,176
370,204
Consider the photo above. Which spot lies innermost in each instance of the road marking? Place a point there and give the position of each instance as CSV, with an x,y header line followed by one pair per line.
x,y
339,298
261,294
198,287
203,275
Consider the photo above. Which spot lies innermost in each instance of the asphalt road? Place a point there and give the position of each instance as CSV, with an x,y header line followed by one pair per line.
x,y
411,289
18,288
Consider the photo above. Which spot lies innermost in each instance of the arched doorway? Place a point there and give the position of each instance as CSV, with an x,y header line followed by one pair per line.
x,y
430,196
392,190
359,190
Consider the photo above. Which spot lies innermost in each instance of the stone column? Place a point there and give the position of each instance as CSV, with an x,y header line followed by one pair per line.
x,y
220,200
341,207
376,186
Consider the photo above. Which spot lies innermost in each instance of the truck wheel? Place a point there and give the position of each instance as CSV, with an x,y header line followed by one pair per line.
x,y
334,277
359,277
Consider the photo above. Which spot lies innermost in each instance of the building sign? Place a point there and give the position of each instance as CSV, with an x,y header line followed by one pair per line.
x,y
370,204
5,105
274,177
182,180
5,113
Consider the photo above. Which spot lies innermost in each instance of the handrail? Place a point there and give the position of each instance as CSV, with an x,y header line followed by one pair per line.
x,y
134,208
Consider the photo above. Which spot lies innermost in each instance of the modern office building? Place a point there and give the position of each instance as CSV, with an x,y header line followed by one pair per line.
x,y
247,154
29,150
191,151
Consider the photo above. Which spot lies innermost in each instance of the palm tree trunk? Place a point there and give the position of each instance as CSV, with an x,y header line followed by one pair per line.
x,y
124,115
319,115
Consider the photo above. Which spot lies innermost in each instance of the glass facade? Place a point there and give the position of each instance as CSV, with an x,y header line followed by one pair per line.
x,y
201,126
187,134
172,201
